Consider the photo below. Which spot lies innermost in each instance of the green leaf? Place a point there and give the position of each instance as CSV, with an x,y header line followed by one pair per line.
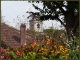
x,y
44,57
33,55
13,54
25,57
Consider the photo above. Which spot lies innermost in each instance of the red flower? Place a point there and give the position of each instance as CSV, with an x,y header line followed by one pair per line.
x,y
2,57
8,55
2,50
23,48
19,53
33,44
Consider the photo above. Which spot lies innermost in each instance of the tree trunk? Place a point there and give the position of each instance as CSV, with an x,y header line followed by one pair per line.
x,y
70,21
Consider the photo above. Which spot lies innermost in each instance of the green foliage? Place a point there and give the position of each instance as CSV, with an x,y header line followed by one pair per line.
x,y
13,55
77,32
48,30
73,54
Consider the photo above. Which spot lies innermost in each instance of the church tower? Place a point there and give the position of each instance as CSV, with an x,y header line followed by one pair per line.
x,y
36,25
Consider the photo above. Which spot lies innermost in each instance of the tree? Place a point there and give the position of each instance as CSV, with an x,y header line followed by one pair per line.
x,y
55,9
20,20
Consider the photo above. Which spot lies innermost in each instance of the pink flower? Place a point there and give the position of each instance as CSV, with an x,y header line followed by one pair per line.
x,y
2,57
2,50
19,53
22,44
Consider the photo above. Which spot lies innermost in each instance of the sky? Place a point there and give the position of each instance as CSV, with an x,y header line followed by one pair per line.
x,y
11,9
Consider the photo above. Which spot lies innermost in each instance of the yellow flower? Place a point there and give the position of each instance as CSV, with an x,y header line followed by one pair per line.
x,y
66,49
48,40
43,40
55,46
57,52
44,53
45,49
42,48
63,51
29,53
52,51
61,46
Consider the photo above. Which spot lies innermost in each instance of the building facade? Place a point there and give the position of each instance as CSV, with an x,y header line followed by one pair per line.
x,y
36,25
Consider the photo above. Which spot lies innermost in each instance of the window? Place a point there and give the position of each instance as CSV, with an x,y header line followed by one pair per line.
x,y
38,25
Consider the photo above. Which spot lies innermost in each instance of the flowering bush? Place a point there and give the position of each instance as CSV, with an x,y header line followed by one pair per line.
x,y
45,50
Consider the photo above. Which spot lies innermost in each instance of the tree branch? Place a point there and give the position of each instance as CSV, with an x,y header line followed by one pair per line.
x,y
61,22
60,7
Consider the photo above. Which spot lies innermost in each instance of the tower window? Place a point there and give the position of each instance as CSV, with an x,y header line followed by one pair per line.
x,y
38,25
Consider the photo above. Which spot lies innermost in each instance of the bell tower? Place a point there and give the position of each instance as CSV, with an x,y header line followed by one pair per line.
x,y
36,24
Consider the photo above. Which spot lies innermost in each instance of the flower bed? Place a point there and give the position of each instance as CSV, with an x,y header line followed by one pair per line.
x,y
44,50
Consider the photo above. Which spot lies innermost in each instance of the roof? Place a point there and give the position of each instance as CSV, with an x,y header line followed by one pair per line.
x,y
11,36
